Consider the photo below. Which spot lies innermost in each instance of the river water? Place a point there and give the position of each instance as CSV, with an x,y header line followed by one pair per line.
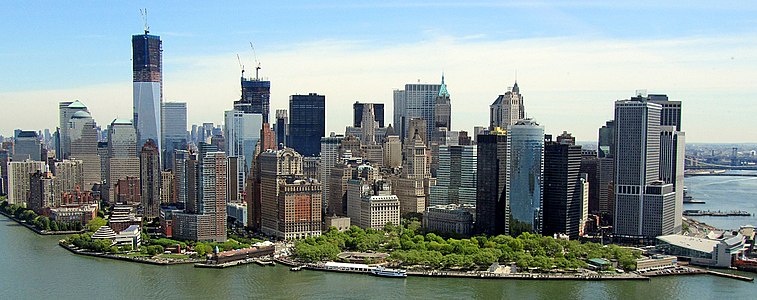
x,y
35,267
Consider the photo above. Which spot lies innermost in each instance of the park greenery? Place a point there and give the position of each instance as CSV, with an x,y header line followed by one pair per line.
x,y
409,247
42,223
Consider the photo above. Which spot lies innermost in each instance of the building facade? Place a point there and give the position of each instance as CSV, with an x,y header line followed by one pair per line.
x,y
149,179
147,66
525,169
307,123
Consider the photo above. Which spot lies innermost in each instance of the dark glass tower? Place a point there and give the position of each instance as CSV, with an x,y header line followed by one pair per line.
x,y
562,189
491,176
148,87
256,97
307,123
378,112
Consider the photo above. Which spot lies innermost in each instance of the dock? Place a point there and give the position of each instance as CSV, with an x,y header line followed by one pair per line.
x,y
710,213
728,275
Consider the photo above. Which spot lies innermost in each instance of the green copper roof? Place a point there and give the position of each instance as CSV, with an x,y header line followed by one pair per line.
x,y
77,104
81,115
443,89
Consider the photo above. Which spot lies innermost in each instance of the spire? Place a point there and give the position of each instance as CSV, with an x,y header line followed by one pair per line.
x,y
515,87
443,88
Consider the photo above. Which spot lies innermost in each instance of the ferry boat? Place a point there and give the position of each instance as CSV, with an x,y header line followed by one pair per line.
x,y
384,272
296,268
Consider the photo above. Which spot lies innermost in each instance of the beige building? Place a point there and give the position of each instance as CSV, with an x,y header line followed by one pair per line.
x,y
167,189
393,152
19,174
290,204
82,135
122,154
412,187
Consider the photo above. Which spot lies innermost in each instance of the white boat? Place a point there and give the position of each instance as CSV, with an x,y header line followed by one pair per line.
x,y
296,268
384,272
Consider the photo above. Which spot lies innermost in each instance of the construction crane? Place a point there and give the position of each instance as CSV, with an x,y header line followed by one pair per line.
x,y
241,66
143,12
257,62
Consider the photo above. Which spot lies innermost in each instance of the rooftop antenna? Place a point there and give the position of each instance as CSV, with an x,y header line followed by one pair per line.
x,y
143,12
241,66
257,62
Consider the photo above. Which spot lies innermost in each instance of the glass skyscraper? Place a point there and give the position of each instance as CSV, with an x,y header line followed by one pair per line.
x,y
256,97
148,87
174,126
307,123
525,142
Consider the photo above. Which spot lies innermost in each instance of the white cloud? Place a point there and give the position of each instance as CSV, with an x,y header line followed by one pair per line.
x,y
568,83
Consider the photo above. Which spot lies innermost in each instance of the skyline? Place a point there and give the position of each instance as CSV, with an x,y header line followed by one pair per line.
x,y
569,78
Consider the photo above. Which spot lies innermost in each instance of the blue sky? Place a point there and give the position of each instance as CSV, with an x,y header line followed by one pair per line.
x,y
572,58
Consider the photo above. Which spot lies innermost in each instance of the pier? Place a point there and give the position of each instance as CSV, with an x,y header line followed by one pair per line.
x,y
710,213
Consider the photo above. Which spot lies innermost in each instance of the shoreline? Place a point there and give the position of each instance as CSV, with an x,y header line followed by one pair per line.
x,y
37,231
75,250
433,273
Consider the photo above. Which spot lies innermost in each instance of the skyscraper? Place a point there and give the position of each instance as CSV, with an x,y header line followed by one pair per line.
x,y
4,159
563,197
507,109
174,127
606,139
213,200
442,110
242,132
491,188
82,144
290,204
416,101
358,109
672,150
413,184
307,123
329,156
27,146
644,205
122,154
256,97
525,143
19,173
281,126
66,110
149,167
456,177
147,52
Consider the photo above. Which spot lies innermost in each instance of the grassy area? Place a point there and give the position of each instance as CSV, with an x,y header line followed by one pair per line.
x,y
174,256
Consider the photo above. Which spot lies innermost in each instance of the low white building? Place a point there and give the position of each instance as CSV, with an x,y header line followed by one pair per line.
x,y
717,250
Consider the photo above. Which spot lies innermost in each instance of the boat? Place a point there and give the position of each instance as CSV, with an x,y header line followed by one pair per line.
x,y
384,272
295,268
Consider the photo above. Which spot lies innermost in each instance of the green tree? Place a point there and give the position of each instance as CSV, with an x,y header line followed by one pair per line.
x,y
95,224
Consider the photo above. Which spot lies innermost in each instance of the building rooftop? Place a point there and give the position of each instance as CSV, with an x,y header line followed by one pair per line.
x,y
81,115
77,104
698,244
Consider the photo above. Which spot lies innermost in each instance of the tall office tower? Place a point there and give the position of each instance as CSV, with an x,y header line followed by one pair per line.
x,y
18,179
442,109
4,159
358,109
563,198
290,204
174,127
341,173
415,101
329,156
491,189
122,159
234,183
672,150
605,189
213,202
456,177
507,109
307,123
181,188
411,186
66,110
242,131
149,179
606,144
281,126
82,138
392,152
256,97
167,188
27,146
102,153
359,183
644,204
147,65
590,167
194,134
368,125
525,169
584,183
267,139
416,125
